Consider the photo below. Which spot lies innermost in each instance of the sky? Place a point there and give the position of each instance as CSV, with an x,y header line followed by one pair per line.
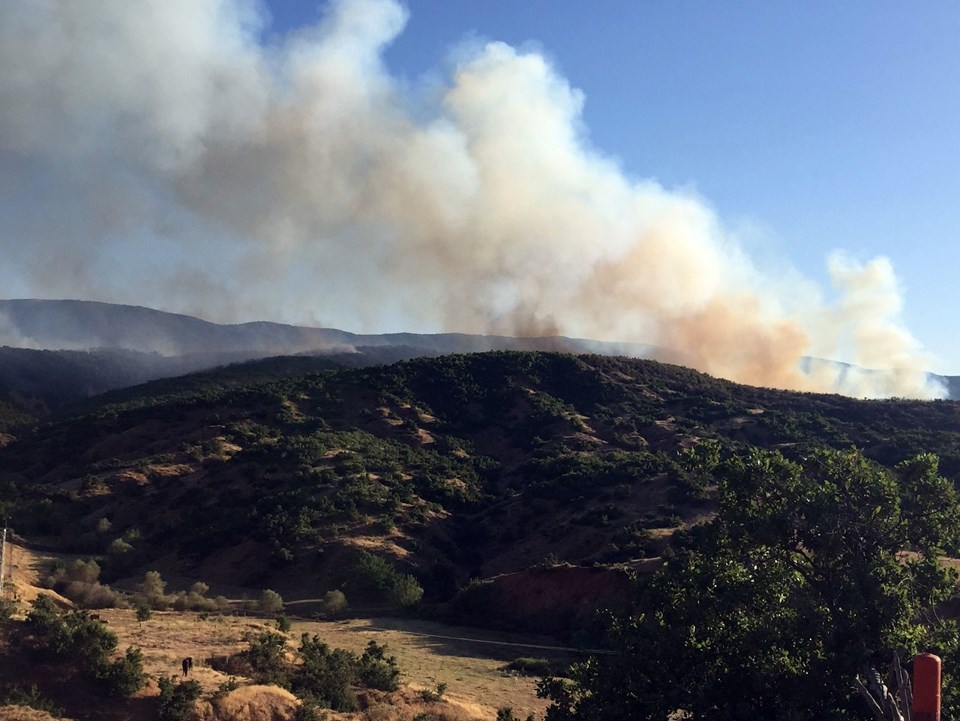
x,y
742,185
809,126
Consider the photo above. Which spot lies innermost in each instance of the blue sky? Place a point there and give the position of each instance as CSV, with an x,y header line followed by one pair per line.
x,y
807,126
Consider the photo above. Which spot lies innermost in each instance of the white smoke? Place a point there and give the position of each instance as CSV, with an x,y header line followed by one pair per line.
x,y
158,152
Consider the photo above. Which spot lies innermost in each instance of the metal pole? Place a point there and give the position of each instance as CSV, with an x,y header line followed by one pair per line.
x,y
3,558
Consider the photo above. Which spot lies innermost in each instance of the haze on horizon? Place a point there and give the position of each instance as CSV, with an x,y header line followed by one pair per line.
x,y
174,154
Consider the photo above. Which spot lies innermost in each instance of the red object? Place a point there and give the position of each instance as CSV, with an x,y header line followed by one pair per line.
x,y
926,687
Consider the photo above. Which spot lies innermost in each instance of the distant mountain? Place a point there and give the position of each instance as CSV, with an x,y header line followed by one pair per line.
x,y
62,351
54,353
84,325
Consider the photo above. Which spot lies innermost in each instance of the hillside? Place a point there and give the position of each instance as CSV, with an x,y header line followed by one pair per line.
x,y
450,468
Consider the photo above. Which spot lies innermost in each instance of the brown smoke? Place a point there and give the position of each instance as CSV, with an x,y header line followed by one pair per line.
x,y
156,152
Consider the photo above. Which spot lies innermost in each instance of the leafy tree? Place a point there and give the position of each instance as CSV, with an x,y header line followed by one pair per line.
x,y
772,609
270,602
379,580
152,588
333,604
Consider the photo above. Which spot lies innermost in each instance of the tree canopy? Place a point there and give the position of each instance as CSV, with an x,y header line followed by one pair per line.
x,y
811,572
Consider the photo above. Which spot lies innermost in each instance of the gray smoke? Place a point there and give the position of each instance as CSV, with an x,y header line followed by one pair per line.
x,y
159,153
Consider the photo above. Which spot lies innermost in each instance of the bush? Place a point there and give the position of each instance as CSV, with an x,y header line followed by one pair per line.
x,y
124,676
152,590
90,595
143,613
377,670
325,675
283,624
434,696
271,603
380,581
85,642
175,701
223,689
78,581
266,657
333,604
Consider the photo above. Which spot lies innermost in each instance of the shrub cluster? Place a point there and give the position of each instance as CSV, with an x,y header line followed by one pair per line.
x,y
323,677
378,580
85,642
78,580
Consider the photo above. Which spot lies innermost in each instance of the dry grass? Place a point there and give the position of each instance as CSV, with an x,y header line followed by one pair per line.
x,y
468,660
471,670
476,686
250,703
24,713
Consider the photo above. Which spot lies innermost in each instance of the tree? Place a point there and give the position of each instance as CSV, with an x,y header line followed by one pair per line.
x,y
333,604
774,607
270,602
152,588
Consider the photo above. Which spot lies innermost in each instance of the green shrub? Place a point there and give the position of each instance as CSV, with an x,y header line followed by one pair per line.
x,y
380,581
377,670
124,676
270,602
333,604
266,657
87,644
151,589
175,701
143,613
326,675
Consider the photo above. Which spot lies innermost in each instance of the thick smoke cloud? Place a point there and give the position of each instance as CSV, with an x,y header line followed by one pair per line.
x,y
161,153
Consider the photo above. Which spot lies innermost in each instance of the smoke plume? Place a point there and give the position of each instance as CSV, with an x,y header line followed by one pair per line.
x,y
164,153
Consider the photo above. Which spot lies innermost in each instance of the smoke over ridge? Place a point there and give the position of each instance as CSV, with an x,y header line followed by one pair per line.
x,y
159,152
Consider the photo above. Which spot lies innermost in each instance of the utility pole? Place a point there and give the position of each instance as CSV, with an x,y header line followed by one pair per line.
x,y
3,557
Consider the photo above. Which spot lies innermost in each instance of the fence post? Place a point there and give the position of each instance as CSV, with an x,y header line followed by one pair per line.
x,y
926,687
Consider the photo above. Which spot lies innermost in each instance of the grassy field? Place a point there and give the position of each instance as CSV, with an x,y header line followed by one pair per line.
x,y
467,660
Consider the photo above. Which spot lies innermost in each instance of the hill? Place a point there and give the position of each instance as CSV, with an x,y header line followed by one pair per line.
x,y
57,352
448,468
